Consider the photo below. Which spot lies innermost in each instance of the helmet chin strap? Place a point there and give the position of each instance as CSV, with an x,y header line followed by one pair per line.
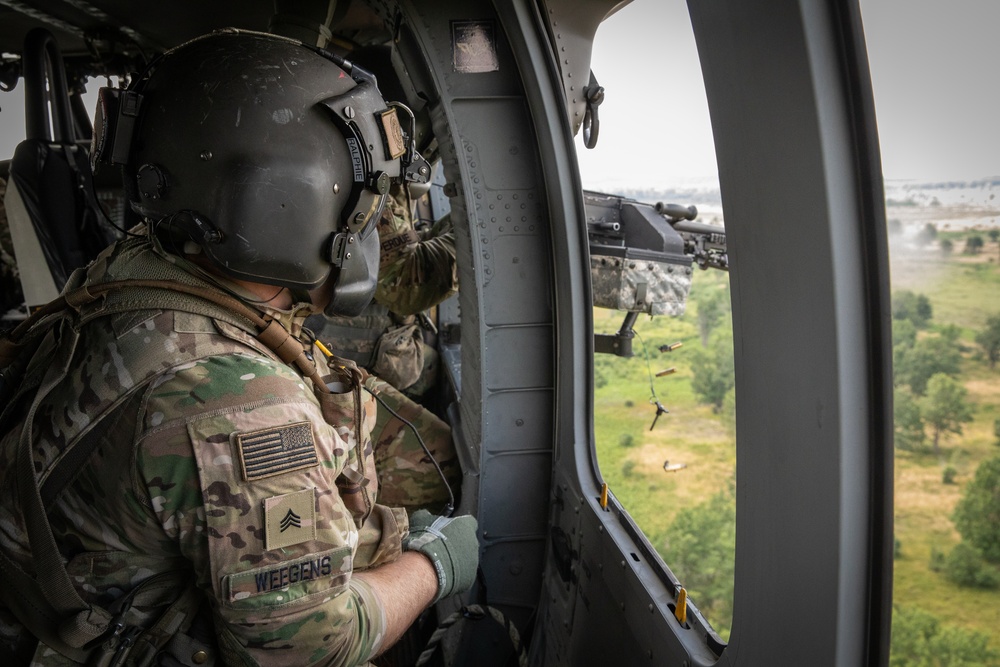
x,y
356,279
299,295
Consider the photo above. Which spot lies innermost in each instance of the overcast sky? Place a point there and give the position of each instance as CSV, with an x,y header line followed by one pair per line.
x,y
934,69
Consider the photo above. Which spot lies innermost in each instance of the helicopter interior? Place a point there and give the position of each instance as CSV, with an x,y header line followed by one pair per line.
x,y
499,89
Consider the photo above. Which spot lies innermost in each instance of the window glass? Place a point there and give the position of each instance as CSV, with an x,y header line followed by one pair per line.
x,y
941,162
11,120
663,417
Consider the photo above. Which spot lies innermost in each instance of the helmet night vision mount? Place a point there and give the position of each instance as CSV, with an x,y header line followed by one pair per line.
x,y
274,157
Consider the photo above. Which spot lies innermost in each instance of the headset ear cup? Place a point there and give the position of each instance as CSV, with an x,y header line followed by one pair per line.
x,y
357,278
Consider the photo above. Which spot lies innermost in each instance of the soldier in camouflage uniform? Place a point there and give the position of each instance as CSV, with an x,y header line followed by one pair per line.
x,y
416,272
180,483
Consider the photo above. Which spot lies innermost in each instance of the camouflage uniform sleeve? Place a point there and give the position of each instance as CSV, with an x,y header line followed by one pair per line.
x,y
240,470
416,272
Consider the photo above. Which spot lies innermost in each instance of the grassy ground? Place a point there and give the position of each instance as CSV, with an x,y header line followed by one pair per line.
x,y
963,290
632,457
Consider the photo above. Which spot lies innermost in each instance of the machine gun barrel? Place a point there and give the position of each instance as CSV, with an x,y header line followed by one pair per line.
x,y
705,244
683,226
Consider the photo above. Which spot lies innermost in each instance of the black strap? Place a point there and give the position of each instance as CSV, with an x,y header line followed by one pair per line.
x,y
82,622
24,598
69,466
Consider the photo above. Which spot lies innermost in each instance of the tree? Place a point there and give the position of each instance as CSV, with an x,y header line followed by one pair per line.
x,y
714,370
907,420
920,640
928,356
994,234
964,566
927,234
603,368
903,333
950,333
945,408
977,514
989,340
913,307
947,247
712,307
973,244
701,551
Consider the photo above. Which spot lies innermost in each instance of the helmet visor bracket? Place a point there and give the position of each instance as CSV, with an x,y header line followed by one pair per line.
x,y
365,130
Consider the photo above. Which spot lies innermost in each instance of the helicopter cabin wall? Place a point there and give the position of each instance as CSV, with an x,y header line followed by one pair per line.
x,y
499,206
525,381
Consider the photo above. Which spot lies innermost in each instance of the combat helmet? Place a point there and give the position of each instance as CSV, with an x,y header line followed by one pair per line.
x,y
274,157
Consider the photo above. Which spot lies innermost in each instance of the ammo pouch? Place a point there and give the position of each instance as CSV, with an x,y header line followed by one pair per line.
x,y
399,355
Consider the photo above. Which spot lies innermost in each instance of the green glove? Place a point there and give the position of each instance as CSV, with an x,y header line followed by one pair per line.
x,y
451,544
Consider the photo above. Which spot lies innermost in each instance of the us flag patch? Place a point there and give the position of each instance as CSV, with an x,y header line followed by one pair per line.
x,y
274,451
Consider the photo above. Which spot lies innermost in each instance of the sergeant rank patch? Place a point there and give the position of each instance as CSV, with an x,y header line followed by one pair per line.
x,y
289,519
277,450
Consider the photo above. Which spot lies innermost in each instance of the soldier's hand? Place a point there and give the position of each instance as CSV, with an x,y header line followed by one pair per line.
x,y
451,545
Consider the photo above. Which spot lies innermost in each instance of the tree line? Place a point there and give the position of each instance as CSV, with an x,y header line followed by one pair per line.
x,y
931,406
974,242
928,395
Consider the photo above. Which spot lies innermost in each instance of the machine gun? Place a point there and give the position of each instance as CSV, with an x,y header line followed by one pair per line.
x,y
641,257
706,244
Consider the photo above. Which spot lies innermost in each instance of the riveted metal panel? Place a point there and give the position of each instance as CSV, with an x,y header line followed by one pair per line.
x,y
521,420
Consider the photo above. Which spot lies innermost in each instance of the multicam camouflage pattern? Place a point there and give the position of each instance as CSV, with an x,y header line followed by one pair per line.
x,y
642,286
270,604
416,270
429,374
408,477
374,340
399,357
167,489
354,338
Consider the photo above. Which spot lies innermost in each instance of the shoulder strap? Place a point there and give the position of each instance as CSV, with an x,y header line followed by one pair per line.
x,y
60,616
269,332
67,467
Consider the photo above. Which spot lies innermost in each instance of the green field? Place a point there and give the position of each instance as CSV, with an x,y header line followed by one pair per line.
x,y
631,456
963,291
